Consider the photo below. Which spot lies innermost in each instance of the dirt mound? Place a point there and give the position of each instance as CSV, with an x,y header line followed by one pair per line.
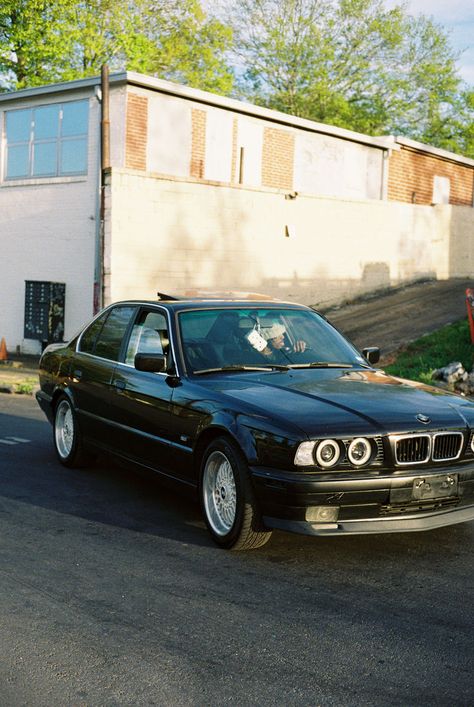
x,y
393,319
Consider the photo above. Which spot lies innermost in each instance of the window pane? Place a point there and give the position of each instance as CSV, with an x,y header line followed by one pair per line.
x,y
45,159
233,338
110,339
90,335
74,156
46,122
18,125
17,162
149,335
75,118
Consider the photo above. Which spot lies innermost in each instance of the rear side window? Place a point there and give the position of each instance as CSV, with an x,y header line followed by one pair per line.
x,y
90,335
109,341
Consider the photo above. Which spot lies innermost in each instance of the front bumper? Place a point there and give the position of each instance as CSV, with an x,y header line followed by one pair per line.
x,y
423,520
378,502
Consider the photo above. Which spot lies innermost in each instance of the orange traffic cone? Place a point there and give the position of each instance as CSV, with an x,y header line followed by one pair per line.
x,y
3,350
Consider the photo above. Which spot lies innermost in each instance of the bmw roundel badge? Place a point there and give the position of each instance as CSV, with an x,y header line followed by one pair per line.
x,y
423,418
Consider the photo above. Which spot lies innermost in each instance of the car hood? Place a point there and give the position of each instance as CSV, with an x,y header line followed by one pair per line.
x,y
331,401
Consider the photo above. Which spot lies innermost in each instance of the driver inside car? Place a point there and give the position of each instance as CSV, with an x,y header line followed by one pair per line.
x,y
277,348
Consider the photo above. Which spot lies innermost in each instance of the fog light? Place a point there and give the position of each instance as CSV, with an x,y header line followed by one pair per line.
x,y
304,454
322,514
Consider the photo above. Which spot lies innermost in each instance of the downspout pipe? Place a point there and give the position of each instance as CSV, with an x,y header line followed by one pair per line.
x,y
104,170
105,119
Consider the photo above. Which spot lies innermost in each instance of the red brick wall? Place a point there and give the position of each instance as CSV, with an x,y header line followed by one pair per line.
x,y
411,171
136,132
198,143
277,158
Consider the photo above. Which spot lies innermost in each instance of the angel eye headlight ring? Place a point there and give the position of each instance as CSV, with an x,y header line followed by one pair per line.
x,y
359,451
328,453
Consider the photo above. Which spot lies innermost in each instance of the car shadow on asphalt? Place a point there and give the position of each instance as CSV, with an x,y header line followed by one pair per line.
x,y
121,496
105,492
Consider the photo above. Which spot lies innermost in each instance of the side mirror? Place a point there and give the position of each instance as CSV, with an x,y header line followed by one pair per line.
x,y
372,354
153,363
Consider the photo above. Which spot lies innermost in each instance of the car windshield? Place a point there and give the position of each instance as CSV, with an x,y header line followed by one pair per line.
x,y
256,338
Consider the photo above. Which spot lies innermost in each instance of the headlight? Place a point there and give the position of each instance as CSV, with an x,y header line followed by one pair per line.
x,y
359,451
472,442
328,453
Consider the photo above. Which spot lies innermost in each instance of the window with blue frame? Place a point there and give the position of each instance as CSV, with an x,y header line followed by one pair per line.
x,y
47,141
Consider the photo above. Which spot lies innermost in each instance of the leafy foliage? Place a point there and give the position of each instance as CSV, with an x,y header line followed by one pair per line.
x,y
352,63
43,41
355,64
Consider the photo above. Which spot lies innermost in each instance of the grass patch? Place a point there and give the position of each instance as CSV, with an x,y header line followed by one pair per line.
x,y
26,387
420,358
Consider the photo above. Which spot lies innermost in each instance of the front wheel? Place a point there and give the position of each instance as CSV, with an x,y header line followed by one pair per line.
x,y
227,498
67,436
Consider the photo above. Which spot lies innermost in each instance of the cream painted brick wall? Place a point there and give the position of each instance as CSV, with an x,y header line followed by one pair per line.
x,y
48,232
172,235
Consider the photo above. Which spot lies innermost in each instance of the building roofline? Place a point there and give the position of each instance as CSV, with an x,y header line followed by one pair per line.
x,y
204,97
435,151
53,88
251,109
387,142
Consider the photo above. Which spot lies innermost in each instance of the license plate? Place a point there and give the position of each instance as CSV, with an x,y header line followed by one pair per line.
x,y
437,486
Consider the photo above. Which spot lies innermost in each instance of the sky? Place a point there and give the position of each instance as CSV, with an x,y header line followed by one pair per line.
x,y
456,16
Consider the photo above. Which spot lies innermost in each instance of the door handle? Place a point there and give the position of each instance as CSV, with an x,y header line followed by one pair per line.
x,y
119,386
77,375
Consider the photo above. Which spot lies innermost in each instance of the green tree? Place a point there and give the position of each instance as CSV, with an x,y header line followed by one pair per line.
x,y
43,41
352,63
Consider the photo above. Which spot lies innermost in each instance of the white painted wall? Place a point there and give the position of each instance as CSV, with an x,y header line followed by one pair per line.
x,y
250,138
218,160
48,232
169,135
328,166
172,235
323,165
118,118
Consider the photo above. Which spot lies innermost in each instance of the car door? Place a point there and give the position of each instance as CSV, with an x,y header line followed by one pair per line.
x,y
142,409
97,355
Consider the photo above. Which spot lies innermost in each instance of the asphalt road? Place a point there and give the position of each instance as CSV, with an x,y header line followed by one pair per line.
x,y
111,593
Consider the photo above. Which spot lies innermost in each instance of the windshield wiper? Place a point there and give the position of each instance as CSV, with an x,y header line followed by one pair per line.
x,y
233,369
322,364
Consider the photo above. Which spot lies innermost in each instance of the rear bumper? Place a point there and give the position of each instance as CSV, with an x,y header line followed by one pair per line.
x,y
44,401
363,505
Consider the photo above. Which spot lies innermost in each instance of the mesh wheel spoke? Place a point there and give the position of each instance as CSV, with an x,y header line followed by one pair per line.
x,y
220,496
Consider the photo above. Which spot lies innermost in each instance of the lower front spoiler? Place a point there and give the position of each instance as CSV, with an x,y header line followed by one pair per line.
x,y
406,523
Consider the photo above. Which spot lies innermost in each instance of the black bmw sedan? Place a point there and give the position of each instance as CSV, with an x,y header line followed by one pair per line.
x,y
267,412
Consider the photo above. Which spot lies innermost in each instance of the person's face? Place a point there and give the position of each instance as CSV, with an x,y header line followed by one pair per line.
x,y
278,342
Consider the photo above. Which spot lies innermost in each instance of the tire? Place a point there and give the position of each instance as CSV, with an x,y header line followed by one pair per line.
x,y
227,499
67,436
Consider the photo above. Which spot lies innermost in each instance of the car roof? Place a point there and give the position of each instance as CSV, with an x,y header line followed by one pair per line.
x,y
201,294
214,303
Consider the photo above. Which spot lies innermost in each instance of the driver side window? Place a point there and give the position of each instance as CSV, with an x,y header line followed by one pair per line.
x,y
149,336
